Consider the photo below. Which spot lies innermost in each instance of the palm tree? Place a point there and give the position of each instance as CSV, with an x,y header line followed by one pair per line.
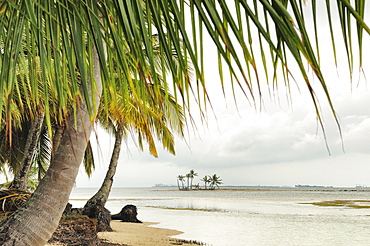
x,y
215,181
52,193
148,118
21,176
178,184
30,165
19,150
181,179
148,121
206,179
128,115
192,174
188,176
81,48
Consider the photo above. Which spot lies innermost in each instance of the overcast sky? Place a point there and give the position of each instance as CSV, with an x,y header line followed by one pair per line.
x,y
282,144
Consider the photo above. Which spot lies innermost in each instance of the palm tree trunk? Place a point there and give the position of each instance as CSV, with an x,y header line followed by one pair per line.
x,y
34,223
21,177
94,207
102,195
57,137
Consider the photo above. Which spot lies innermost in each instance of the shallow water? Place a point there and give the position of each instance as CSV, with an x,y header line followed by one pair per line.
x,y
247,218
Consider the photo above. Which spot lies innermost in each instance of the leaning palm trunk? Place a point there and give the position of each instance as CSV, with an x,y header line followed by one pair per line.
x,y
21,177
98,201
34,223
102,195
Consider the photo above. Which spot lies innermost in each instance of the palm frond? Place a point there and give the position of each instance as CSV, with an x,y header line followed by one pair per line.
x,y
89,162
48,51
144,46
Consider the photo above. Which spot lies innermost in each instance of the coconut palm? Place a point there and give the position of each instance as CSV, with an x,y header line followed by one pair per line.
x,y
148,121
148,118
188,177
31,149
215,181
17,150
84,47
192,174
21,176
206,179
178,184
59,179
181,179
131,118
27,150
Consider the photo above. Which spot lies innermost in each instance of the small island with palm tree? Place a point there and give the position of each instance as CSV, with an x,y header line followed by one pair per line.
x,y
185,182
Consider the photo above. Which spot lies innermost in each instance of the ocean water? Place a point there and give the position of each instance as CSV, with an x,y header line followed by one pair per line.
x,y
280,217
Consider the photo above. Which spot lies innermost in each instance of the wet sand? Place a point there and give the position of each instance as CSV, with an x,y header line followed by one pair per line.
x,y
141,234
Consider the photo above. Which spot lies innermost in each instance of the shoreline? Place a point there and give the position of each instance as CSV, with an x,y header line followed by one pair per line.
x,y
267,188
132,234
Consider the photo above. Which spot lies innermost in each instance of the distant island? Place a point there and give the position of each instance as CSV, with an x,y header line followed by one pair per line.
x,y
312,186
164,185
213,181
300,187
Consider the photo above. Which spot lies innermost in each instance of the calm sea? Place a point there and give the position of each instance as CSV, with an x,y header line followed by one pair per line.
x,y
238,217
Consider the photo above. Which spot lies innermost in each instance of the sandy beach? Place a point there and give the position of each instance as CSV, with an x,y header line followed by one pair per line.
x,y
129,234
133,234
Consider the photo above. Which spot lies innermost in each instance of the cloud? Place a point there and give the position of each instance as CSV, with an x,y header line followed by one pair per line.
x,y
276,146
279,142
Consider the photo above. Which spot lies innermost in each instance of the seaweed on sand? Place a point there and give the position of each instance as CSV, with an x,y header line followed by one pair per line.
x,y
357,204
175,241
78,230
11,200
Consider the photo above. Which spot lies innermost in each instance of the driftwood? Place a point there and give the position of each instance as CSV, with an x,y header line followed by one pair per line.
x,y
127,214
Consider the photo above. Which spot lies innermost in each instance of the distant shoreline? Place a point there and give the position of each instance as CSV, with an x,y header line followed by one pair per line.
x,y
250,188
273,188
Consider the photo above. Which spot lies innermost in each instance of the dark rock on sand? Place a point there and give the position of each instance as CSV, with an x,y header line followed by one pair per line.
x,y
68,209
127,214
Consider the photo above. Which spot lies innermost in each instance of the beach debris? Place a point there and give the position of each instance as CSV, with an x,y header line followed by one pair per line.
x,y
127,214
175,241
76,230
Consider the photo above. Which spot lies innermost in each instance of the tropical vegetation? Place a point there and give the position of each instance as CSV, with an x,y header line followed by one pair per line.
x,y
62,59
215,181
157,122
210,181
